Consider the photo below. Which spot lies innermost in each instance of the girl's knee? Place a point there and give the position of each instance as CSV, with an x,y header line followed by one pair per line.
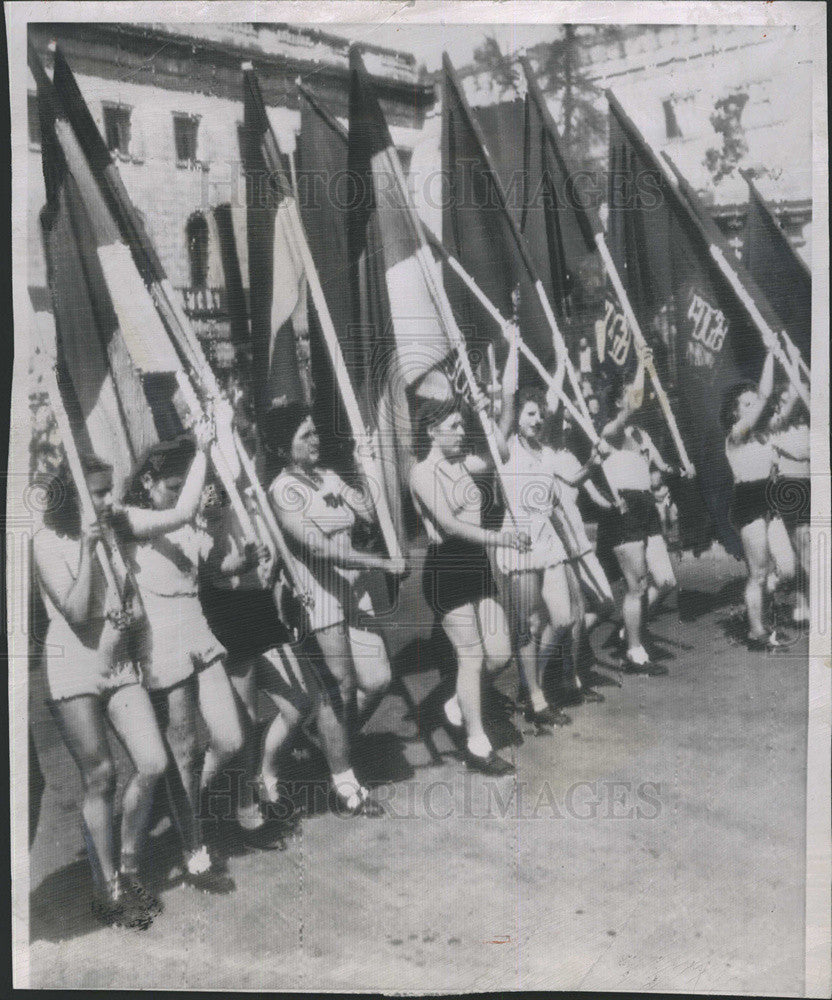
x,y
183,746
100,777
497,654
151,764
228,742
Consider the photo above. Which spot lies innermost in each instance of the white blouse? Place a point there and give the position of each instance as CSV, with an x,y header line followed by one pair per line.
x,y
750,460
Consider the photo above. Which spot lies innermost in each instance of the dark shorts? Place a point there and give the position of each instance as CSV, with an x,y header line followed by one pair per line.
x,y
456,572
790,498
639,522
750,502
246,622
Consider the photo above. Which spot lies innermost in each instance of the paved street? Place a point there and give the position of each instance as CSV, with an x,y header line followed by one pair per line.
x,y
656,843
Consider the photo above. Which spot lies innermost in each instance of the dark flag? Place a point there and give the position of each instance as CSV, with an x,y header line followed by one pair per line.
x,y
703,338
779,270
323,199
232,273
277,281
477,230
557,220
394,306
108,331
154,325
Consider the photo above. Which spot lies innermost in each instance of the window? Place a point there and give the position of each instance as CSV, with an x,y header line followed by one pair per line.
x,y
34,120
670,123
117,128
196,236
185,128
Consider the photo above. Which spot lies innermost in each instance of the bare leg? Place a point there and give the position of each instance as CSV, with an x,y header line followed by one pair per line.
x,y
462,628
633,563
219,712
179,708
755,546
81,722
131,715
373,672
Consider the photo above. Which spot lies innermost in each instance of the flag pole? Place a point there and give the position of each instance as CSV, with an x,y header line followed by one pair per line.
x,y
589,222
338,360
365,448
661,395
560,344
768,335
170,309
109,556
523,347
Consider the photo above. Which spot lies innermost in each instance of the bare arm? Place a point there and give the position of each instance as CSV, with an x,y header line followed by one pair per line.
x,y
337,549
596,496
743,427
429,495
780,419
149,523
70,594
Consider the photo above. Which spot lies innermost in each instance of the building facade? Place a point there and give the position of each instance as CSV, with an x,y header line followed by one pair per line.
x,y
168,100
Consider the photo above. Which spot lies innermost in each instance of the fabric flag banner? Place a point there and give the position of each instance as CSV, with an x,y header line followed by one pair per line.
x,y
154,325
557,221
476,229
703,339
323,199
277,281
227,236
778,269
108,332
402,334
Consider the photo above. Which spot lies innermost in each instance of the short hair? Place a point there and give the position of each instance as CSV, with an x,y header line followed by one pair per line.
x,y
281,424
433,411
728,410
531,394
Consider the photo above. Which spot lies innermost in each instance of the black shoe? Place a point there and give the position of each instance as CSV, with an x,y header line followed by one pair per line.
x,y
547,717
116,906
145,898
211,880
571,697
591,695
362,804
763,643
492,764
647,669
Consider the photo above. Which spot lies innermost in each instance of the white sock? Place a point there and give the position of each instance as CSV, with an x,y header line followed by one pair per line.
x,y
539,703
453,712
638,655
479,746
199,861
346,784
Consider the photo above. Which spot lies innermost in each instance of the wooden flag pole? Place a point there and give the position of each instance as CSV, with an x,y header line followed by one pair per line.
x,y
586,425
365,449
225,453
557,336
112,563
638,336
443,307
768,335
229,483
